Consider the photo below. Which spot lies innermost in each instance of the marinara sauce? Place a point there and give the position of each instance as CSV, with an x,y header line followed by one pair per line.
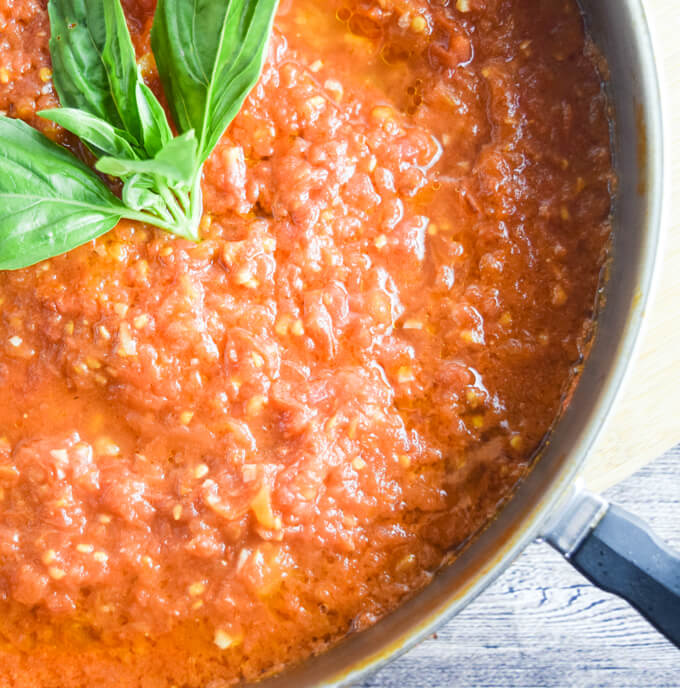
x,y
219,458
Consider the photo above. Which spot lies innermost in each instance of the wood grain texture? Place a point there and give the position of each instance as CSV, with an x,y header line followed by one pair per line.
x,y
645,420
543,625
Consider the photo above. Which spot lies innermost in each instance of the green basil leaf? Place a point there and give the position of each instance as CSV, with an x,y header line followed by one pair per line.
x,y
175,162
101,138
180,153
209,56
95,70
120,62
79,74
156,131
51,201
138,194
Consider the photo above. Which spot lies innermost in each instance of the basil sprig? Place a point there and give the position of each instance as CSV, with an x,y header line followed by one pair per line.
x,y
209,55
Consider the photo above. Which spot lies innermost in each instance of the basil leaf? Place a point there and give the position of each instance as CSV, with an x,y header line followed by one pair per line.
x,y
51,201
209,56
120,62
175,162
76,45
156,131
138,194
180,153
101,138
95,70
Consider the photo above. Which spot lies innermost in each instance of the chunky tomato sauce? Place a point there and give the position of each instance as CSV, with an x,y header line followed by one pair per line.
x,y
218,459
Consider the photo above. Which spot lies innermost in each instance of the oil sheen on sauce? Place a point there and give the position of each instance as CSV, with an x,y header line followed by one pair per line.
x,y
219,458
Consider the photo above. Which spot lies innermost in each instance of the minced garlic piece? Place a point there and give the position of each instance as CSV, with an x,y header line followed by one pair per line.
x,y
262,508
297,328
418,24
255,405
224,640
405,374
197,589
201,471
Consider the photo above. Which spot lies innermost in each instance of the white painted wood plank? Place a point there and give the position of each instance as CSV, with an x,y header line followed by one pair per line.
x,y
543,625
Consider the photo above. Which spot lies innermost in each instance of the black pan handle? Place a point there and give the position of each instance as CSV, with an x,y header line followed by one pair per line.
x,y
619,553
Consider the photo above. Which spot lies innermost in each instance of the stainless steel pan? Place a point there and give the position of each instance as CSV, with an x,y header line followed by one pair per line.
x,y
606,544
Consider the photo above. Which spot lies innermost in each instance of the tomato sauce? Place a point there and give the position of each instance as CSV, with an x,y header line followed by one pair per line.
x,y
217,459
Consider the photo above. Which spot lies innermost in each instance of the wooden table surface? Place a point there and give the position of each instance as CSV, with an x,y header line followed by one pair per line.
x,y
542,624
